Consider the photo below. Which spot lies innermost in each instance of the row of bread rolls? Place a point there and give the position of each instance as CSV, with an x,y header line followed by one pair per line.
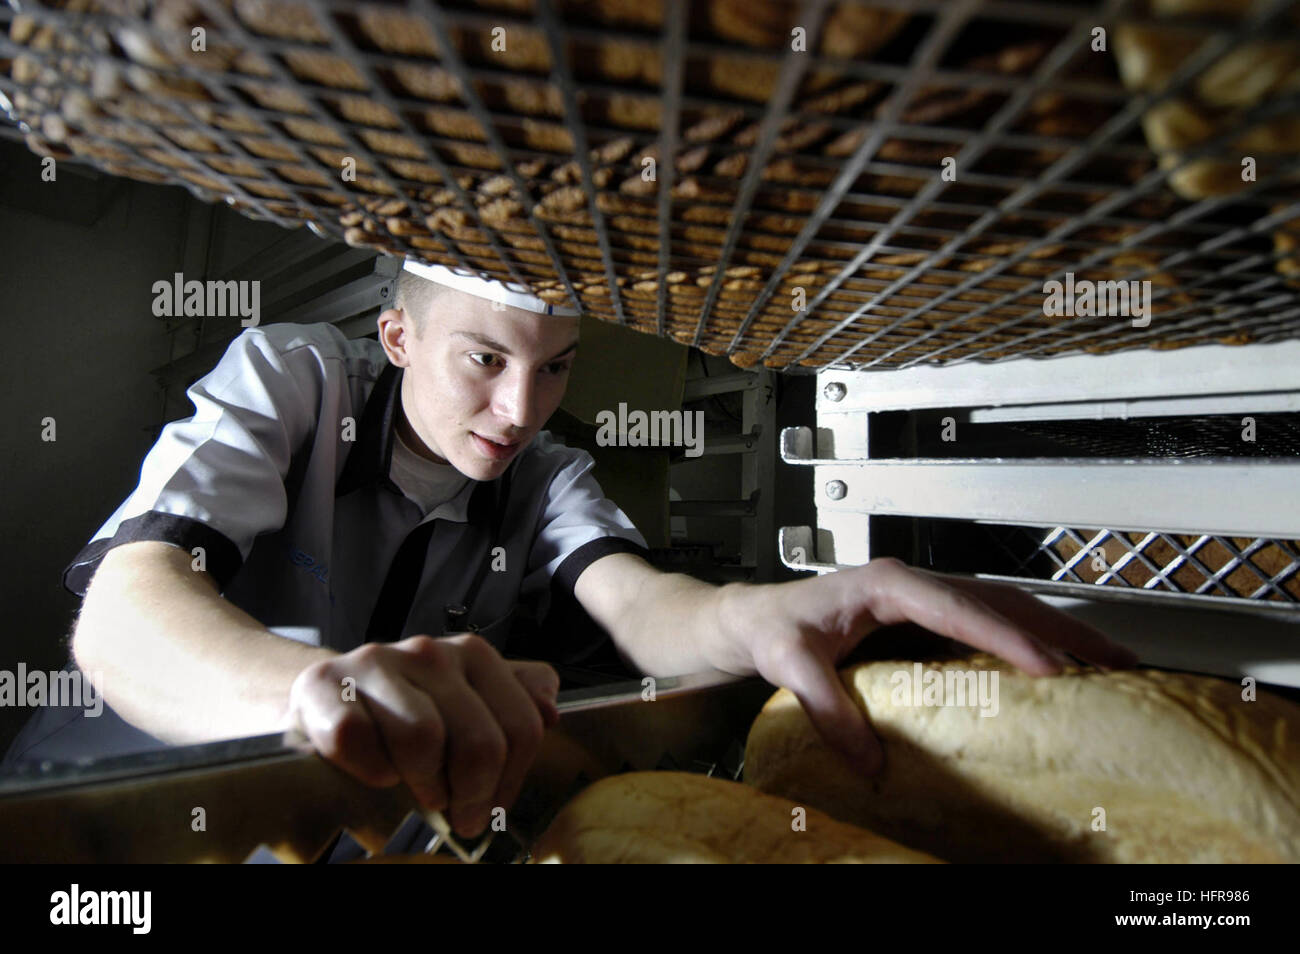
x,y
679,817
1245,77
439,222
1140,766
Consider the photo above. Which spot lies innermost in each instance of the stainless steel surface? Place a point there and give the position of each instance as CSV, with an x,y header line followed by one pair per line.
x,y
634,691
279,746
49,777
1281,402
691,718
1192,640
1226,497
126,808
1129,375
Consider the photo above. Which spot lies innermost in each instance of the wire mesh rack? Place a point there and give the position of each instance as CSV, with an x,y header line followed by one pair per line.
x,y
1183,438
1189,507
802,185
1245,571
1235,569
1256,575
1253,569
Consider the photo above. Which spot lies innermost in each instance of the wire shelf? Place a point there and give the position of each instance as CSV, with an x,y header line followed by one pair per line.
x,y
798,215
1234,572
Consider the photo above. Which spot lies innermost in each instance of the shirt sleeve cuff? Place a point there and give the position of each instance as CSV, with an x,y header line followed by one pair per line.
x,y
573,636
221,555
566,575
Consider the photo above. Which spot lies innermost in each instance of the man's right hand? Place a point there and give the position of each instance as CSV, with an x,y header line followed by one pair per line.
x,y
449,717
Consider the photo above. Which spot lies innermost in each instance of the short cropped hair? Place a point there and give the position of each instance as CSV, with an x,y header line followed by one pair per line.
x,y
416,296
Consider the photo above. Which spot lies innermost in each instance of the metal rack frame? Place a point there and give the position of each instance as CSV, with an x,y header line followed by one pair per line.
x,y
756,443
1212,499
1205,250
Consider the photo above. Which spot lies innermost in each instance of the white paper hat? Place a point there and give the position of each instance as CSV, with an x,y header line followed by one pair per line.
x,y
516,296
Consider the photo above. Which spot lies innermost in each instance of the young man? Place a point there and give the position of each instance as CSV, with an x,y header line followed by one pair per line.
x,y
394,509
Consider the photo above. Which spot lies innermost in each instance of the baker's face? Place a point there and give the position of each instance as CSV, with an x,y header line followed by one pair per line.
x,y
479,382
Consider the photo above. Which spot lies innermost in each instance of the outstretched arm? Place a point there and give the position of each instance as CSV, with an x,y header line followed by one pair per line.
x,y
793,634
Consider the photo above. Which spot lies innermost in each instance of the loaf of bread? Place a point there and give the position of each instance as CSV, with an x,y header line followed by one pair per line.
x,y
1142,766
678,817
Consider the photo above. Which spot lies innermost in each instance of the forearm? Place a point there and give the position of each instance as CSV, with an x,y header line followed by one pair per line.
x,y
677,624
177,660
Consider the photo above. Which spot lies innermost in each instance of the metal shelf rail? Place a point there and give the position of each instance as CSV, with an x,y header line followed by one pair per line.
x,y
1139,506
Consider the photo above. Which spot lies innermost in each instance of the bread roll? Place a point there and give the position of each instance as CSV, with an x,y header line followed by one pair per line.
x,y
427,82
1246,75
1184,769
325,69
283,20
394,31
678,817
1286,241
